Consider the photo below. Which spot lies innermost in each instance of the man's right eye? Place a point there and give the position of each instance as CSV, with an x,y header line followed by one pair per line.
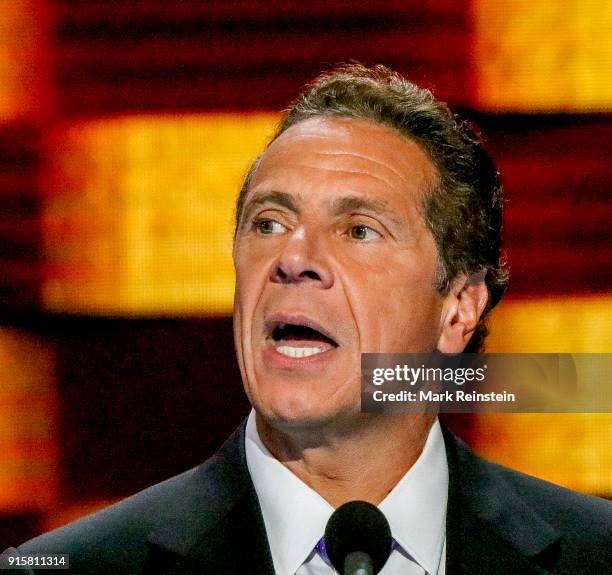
x,y
268,226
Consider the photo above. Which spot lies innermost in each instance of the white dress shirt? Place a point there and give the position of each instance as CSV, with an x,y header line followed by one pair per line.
x,y
295,515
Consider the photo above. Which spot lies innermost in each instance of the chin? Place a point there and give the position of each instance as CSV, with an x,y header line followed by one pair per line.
x,y
306,414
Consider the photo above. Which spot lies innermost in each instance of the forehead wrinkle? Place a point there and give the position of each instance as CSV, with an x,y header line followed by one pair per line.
x,y
344,128
357,172
387,165
286,159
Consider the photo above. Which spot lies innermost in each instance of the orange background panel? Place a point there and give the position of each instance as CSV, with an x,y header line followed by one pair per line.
x,y
551,55
25,74
570,324
138,215
571,449
28,473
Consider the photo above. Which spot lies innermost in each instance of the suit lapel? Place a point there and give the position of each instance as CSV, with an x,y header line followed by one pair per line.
x,y
490,529
217,525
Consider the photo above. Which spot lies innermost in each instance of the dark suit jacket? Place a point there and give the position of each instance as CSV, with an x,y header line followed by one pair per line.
x,y
208,520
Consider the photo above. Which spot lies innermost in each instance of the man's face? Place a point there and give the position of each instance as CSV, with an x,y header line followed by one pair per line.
x,y
333,259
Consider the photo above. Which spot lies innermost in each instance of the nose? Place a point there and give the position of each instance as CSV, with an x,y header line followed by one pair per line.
x,y
302,261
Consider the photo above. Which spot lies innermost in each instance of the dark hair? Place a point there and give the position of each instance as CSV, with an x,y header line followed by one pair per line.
x,y
463,208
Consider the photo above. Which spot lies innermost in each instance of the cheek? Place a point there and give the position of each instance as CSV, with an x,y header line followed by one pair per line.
x,y
250,280
252,268
395,304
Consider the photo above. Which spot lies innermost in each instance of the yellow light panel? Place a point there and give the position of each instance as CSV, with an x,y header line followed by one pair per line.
x,y
574,449
138,218
555,325
551,55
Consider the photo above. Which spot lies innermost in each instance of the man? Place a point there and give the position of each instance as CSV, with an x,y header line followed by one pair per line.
x,y
371,223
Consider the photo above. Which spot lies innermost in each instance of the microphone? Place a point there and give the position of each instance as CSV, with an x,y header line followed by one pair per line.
x,y
358,539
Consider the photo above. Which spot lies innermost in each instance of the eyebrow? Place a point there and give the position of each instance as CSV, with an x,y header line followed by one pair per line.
x,y
282,199
339,206
349,204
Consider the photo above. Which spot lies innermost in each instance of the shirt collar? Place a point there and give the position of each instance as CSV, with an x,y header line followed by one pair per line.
x,y
295,515
416,506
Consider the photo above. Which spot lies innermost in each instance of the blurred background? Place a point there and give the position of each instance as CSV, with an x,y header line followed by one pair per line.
x,y
125,128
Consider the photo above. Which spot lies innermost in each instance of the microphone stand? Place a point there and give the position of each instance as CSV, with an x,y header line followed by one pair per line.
x,y
358,563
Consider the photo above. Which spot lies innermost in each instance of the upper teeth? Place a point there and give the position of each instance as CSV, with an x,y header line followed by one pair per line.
x,y
298,351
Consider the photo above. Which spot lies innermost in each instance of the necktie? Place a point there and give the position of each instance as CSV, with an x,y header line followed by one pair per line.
x,y
322,551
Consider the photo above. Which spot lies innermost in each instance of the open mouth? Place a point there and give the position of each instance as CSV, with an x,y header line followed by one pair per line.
x,y
299,340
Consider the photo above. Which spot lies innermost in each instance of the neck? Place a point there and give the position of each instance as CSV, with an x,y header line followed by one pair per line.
x,y
363,463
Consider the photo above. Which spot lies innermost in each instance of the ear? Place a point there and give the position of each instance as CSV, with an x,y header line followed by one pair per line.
x,y
461,311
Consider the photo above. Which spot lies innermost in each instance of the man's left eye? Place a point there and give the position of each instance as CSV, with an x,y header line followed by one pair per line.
x,y
268,226
363,233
